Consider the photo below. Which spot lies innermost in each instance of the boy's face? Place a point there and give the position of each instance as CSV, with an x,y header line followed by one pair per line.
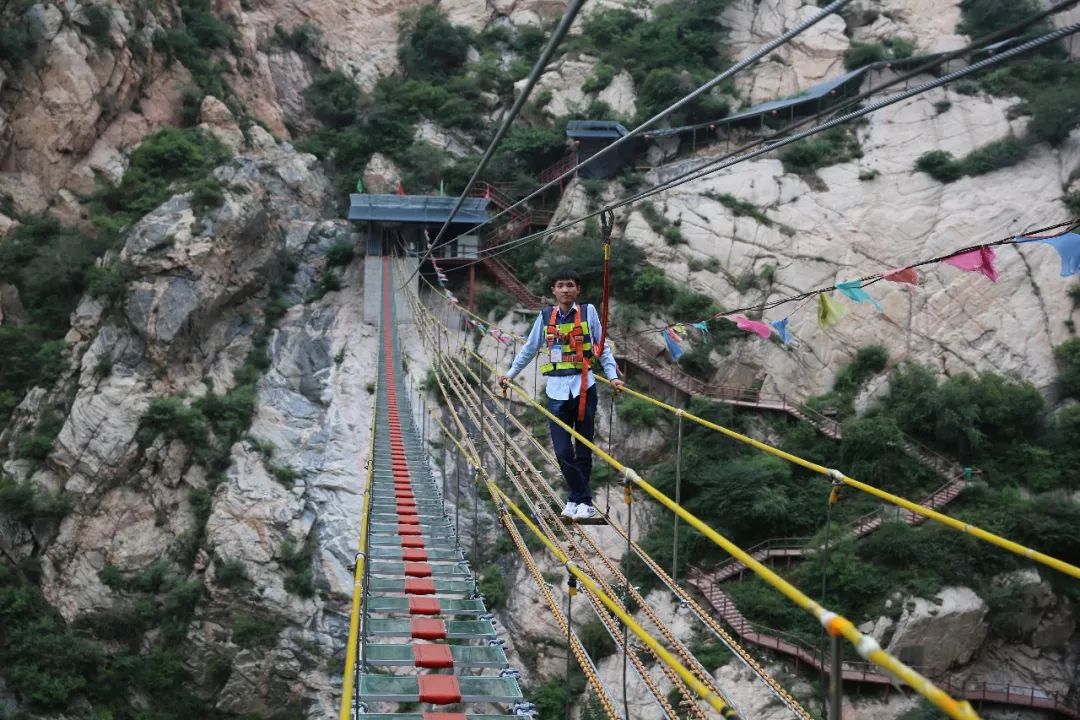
x,y
565,291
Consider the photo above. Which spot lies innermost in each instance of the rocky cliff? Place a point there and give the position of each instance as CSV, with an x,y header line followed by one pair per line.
x,y
214,413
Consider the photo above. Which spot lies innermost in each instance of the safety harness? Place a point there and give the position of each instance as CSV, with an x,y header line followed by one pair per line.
x,y
570,345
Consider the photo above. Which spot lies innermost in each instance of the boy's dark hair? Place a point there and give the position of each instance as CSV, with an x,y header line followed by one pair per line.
x,y
565,274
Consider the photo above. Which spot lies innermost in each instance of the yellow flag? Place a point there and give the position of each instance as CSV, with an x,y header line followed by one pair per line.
x,y
829,312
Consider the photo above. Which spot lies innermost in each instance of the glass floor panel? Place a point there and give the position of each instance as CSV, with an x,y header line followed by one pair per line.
x,y
464,655
390,552
448,587
407,689
397,569
447,606
456,629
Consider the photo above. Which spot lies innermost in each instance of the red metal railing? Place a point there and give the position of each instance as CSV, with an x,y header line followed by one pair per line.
x,y
558,168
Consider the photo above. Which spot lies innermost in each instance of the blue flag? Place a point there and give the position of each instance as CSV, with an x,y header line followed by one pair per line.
x,y
853,289
1068,247
672,346
780,326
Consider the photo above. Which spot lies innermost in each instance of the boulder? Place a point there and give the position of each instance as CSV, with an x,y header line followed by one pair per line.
x,y
956,613
620,95
216,119
381,175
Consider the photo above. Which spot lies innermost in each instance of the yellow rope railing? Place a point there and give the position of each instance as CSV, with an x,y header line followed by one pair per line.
x,y
838,476
834,624
348,679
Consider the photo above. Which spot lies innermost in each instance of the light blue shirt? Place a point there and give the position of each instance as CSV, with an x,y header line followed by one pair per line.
x,y
564,387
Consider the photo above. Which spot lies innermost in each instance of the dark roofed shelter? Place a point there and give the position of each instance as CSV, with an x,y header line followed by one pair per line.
x,y
592,136
396,221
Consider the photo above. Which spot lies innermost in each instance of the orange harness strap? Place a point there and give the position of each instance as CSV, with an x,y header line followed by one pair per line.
x,y
574,339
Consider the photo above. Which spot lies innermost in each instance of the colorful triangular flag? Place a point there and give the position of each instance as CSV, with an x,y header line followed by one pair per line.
x,y
442,188
1068,247
781,329
902,275
400,188
829,312
980,260
755,326
359,185
854,290
672,344
702,326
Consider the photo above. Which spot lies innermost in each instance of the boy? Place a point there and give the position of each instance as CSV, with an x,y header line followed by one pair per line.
x,y
569,331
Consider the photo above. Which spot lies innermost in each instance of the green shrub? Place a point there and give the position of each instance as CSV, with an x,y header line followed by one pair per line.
x,y
229,415
860,54
697,362
255,631
48,263
673,235
868,361
982,17
900,49
638,413
741,208
34,447
329,282
492,585
171,417
297,560
25,502
333,99
667,55
284,474
303,39
98,22
171,155
340,253
994,156
600,79
1055,112
940,165
432,46
1067,355
596,640
206,195
834,146
16,43
109,281
493,302
232,574
1072,204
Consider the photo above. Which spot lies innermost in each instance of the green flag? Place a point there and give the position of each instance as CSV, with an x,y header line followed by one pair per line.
x,y
829,311
359,185
442,189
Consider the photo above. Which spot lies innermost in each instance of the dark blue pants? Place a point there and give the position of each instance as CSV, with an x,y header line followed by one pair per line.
x,y
575,460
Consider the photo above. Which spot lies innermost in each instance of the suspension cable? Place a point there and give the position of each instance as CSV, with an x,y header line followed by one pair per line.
x,y
746,62
716,165
534,76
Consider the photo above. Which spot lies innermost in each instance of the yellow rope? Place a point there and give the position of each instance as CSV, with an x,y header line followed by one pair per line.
x,y
973,530
348,678
834,623
963,527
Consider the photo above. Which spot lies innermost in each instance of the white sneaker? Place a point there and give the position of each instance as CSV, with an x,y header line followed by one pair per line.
x,y
586,512
570,510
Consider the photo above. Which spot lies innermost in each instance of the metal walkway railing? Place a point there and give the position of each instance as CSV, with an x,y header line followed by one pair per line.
x,y
416,582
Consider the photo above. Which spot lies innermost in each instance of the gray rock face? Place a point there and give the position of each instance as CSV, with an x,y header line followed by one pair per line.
x,y
956,613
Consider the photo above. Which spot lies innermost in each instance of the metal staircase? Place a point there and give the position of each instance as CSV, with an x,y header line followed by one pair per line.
x,y
426,636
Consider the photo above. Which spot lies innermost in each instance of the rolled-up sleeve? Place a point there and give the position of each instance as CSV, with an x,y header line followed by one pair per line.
x,y
528,351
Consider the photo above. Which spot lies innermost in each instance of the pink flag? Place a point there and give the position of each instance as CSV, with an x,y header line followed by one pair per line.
x,y
980,260
902,275
755,326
